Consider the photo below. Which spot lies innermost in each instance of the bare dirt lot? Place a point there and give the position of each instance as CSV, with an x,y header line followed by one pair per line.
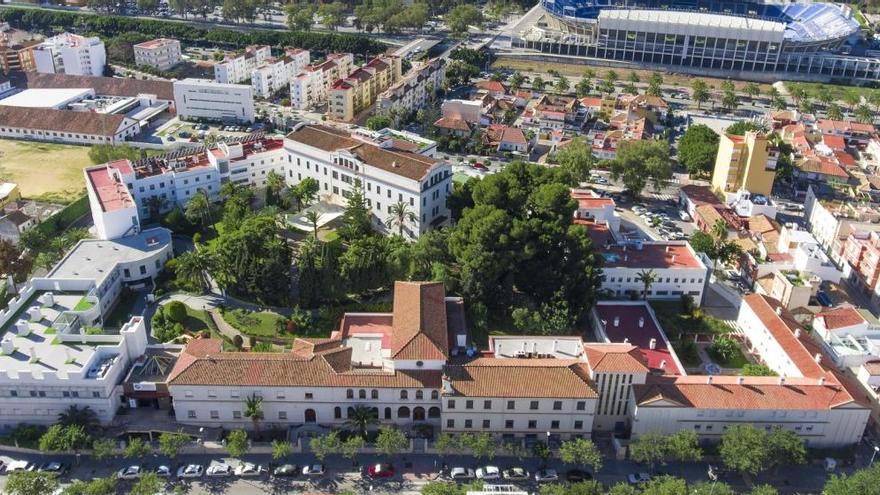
x,y
51,172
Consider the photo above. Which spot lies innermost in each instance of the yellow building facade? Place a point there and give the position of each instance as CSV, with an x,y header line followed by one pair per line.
x,y
744,162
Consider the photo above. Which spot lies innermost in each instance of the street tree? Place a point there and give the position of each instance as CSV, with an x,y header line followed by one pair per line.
x,y
582,88
516,81
639,162
864,114
834,112
711,488
864,481
446,443
852,99
700,92
648,448
391,441
352,446
80,416
360,419
562,85
750,450
237,443
461,17
698,149
103,448
324,445
313,217
300,17
281,449
170,443
136,448
577,159
729,101
581,452
683,446
253,409
655,84
752,90
31,483
482,444
538,83
591,487
60,438
769,490
149,483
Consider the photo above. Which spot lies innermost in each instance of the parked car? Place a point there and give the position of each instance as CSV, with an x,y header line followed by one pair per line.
x,y
637,478
516,474
190,471
249,469
129,473
313,470
286,471
488,473
55,467
684,216
380,471
163,471
546,475
219,470
577,475
20,466
461,473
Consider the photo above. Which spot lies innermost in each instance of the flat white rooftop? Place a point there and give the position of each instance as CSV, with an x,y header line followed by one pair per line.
x,y
559,347
56,98
94,259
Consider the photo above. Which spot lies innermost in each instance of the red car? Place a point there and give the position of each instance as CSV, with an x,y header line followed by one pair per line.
x,y
380,471
480,166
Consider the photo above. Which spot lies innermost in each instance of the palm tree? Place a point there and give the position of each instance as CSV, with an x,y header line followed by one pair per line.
x,y
228,189
313,216
864,114
700,92
400,214
155,205
360,418
852,99
74,415
275,181
253,408
647,277
192,265
752,90
874,99
198,209
834,112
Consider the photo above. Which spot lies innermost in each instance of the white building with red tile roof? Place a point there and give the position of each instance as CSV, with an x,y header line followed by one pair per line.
x,y
850,336
595,208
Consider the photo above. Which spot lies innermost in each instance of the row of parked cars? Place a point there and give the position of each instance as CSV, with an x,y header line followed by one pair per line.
x,y
666,228
492,473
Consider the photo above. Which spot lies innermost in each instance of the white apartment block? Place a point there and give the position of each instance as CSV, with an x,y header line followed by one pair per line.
x,y
161,53
71,54
310,87
237,69
677,268
414,90
275,75
390,363
336,159
211,100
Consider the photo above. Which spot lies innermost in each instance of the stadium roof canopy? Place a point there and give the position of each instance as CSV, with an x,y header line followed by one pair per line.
x,y
693,24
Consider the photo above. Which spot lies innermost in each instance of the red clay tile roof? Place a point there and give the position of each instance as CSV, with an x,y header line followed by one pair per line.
x,y
494,86
781,328
110,86
532,378
615,358
833,141
841,317
513,135
873,367
640,336
825,125
48,119
419,329
701,195
754,393
659,254
454,124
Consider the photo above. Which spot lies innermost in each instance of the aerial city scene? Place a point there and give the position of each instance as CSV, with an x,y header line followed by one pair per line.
x,y
440,247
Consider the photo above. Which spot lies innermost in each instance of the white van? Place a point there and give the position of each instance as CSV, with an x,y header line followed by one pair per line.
x,y
684,216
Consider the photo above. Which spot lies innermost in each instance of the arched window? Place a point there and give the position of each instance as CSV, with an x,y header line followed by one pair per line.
x,y
310,416
349,394
349,412
404,394
435,395
374,394
387,413
403,412
337,412
419,414
419,395
434,412
362,394
375,411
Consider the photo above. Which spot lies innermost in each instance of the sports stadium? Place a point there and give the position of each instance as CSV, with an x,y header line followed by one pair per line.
x,y
745,38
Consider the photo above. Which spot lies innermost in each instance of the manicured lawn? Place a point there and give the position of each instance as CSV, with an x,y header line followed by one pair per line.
x,y
675,322
687,353
735,362
197,320
83,305
258,324
52,172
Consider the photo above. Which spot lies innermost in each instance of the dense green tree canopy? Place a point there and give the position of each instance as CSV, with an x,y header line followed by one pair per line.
x,y
640,162
697,149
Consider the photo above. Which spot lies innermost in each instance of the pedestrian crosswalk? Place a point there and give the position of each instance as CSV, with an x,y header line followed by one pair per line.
x,y
661,196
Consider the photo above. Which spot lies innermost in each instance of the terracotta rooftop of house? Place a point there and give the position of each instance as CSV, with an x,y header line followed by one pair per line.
x,y
589,200
615,358
532,378
825,125
821,165
872,367
493,86
782,327
452,124
112,194
156,43
701,195
48,119
419,330
660,254
406,164
833,141
103,86
754,393
636,326
513,135
840,317
314,364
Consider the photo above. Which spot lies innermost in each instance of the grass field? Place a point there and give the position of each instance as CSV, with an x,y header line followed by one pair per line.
x,y
51,172
837,91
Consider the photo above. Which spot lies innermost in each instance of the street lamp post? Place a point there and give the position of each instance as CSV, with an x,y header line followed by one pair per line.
x,y
876,449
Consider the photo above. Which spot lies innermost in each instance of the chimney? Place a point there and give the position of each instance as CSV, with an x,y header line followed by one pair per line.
x,y
667,248
673,259
641,322
498,349
781,380
818,357
821,380
709,380
67,357
34,357
740,380
626,340
797,333
7,346
625,257
779,310
555,345
652,344
616,321
663,364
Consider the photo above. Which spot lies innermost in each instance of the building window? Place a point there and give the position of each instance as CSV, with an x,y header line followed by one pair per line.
x,y
96,395
533,405
349,394
468,404
435,395
487,404
191,414
486,424
450,404
374,394
236,414
404,394
468,423
581,405
554,425
337,412
508,424
362,394
578,425
309,395
419,395
215,414
450,423
533,424
282,415
511,405
557,405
